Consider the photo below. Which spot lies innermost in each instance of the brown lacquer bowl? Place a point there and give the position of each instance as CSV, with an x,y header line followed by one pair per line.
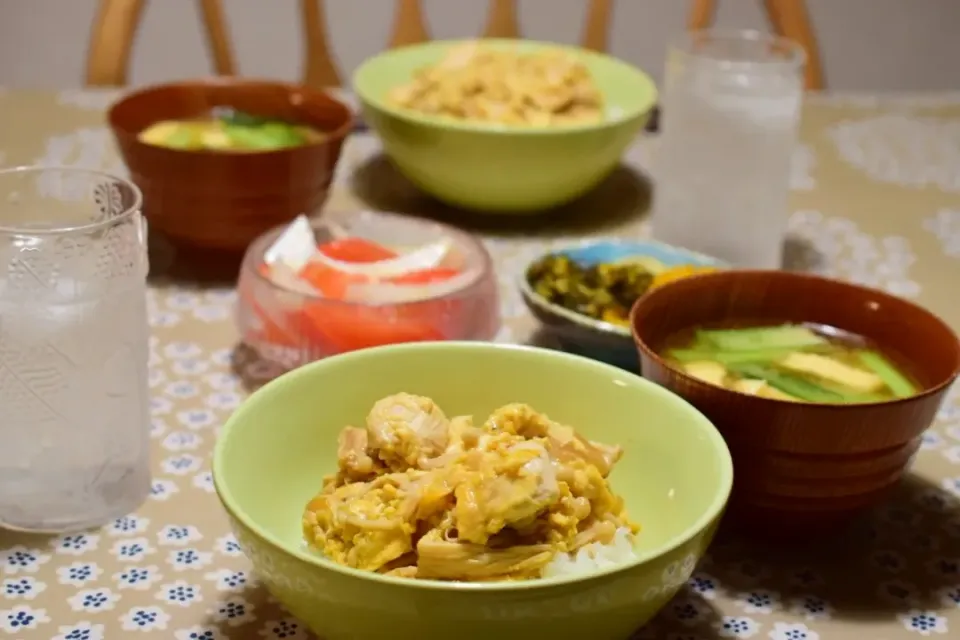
x,y
798,467
224,200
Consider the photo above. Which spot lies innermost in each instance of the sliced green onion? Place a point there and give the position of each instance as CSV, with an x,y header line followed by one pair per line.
x,y
791,385
752,339
898,384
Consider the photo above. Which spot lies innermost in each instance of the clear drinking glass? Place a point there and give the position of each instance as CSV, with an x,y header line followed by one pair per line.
x,y
74,406
731,110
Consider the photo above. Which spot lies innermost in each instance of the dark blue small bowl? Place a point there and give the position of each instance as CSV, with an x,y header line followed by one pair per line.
x,y
586,336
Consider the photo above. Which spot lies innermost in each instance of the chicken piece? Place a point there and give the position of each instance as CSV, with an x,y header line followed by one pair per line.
x,y
563,521
509,486
440,559
565,443
585,481
354,462
362,525
461,437
406,430
518,419
430,497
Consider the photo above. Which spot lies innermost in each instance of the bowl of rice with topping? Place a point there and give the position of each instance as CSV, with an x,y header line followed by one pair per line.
x,y
417,490
503,126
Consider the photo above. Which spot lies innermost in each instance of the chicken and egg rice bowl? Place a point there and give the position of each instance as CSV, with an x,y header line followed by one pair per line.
x,y
420,495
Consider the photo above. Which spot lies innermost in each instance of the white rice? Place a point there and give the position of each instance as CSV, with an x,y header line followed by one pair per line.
x,y
593,556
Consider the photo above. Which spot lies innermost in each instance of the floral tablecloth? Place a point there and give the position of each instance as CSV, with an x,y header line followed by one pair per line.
x,y
876,198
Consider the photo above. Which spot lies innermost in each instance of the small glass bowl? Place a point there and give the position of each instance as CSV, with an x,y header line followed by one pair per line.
x,y
291,328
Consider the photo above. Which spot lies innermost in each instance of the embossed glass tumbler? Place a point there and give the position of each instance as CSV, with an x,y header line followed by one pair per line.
x,y
74,406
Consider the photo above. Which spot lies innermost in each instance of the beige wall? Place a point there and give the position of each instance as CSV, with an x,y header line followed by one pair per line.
x,y
866,44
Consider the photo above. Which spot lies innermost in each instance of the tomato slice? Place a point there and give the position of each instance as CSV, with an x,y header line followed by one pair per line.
x,y
350,328
334,328
356,250
426,276
332,283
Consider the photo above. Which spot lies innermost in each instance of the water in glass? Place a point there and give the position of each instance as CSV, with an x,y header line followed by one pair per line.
x,y
731,110
74,345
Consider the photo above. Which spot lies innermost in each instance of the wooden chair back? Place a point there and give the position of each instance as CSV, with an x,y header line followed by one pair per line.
x,y
115,27
789,18
117,21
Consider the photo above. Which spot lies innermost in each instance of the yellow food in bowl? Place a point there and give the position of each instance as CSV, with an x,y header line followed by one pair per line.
x,y
229,131
419,495
537,88
678,273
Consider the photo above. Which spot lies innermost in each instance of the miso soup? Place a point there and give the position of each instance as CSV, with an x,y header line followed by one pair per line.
x,y
228,130
793,362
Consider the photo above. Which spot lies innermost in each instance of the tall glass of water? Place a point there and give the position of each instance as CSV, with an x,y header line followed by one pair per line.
x,y
74,409
731,111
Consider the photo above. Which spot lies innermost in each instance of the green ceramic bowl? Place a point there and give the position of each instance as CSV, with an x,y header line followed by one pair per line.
x,y
503,169
675,476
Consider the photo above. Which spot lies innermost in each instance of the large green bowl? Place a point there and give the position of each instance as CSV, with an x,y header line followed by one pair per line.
x,y
503,169
675,476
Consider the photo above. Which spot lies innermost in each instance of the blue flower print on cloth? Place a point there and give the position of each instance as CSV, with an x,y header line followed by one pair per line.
x,y
179,594
178,441
78,574
181,390
223,400
811,608
93,600
925,623
188,559
178,535
703,585
182,350
132,549
144,619
222,381
204,482
229,579
162,489
737,627
758,602
228,546
181,464
688,611
76,544
950,596
233,611
157,427
81,631
198,633
20,559
128,526
792,631
22,618
189,367
22,588
285,629
137,578
197,418
160,406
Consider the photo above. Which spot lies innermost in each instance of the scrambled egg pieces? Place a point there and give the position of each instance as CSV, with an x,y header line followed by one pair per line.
x,y
473,82
423,496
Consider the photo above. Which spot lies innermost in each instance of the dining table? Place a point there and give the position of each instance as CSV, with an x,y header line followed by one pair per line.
x,y
875,198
